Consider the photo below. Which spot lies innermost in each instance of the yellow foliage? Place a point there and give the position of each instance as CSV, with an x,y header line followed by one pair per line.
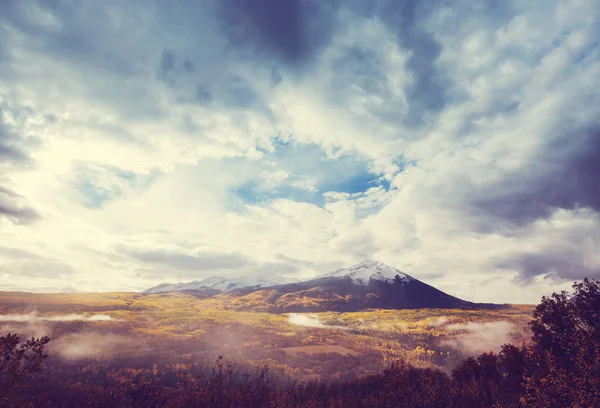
x,y
182,325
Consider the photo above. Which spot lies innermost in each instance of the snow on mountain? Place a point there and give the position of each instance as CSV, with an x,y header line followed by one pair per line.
x,y
173,287
360,274
369,270
221,283
212,281
279,280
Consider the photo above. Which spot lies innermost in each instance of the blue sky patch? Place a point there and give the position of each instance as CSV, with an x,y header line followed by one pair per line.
x,y
94,197
306,164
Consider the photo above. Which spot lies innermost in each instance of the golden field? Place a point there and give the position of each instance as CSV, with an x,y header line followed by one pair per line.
x,y
180,328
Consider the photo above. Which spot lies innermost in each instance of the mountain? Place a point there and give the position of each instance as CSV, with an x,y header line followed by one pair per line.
x,y
366,271
219,284
368,285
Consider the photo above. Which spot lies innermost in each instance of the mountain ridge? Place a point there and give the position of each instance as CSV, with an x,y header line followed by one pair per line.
x,y
367,285
360,273
219,283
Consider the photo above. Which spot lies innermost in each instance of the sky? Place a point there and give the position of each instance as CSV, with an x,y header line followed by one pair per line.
x,y
167,141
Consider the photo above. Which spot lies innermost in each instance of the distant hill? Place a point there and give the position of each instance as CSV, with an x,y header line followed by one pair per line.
x,y
368,285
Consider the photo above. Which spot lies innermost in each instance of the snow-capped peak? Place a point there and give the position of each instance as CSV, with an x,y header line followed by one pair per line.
x,y
360,274
369,270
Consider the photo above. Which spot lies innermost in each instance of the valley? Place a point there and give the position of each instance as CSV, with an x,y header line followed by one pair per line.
x,y
181,328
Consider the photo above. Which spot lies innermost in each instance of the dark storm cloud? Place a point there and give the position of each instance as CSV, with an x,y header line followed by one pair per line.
x,y
167,61
565,175
178,260
361,67
432,89
203,95
91,40
82,36
429,87
167,65
564,262
292,30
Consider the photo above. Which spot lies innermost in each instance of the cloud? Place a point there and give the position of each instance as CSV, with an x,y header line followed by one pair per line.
x,y
14,208
457,142
13,148
428,89
563,177
563,248
568,263
37,269
310,320
23,263
99,184
292,31
177,259
477,338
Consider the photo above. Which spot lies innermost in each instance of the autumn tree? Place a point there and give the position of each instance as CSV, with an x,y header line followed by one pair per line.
x,y
566,349
19,360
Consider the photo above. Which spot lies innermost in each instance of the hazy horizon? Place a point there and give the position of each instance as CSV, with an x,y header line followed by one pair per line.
x,y
251,282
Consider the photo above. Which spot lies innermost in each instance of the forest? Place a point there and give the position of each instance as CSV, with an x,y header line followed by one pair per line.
x,y
559,366
174,328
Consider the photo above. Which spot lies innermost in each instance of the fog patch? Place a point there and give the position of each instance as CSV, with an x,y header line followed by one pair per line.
x,y
26,330
438,322
479,338
90,345
34,317
310,320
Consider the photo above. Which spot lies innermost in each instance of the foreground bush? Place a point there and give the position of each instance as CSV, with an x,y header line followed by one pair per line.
x,y
18,362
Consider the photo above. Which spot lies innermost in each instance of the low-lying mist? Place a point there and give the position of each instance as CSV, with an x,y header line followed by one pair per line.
x,y
310,320
438,321
66,344
476,338
89,345
34,317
